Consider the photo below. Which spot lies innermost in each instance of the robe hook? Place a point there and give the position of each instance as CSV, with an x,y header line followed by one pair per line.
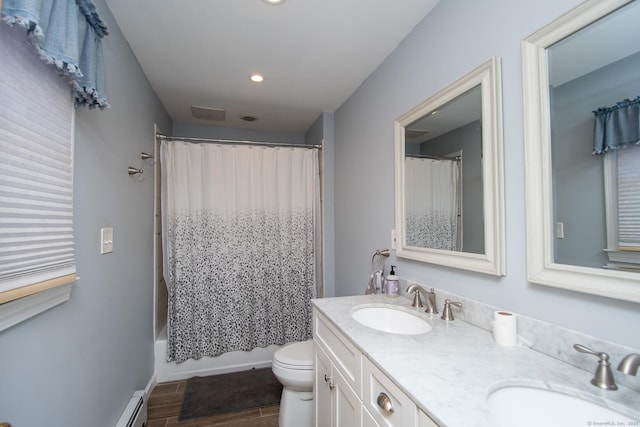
x,y
134,171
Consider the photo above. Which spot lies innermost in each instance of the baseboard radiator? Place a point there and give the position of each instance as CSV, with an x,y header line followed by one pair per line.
x,y
135,413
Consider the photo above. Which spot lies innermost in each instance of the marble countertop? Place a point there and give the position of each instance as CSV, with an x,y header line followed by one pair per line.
x,y
450,370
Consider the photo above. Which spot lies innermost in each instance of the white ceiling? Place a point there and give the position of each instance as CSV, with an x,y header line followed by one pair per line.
x,y
313,53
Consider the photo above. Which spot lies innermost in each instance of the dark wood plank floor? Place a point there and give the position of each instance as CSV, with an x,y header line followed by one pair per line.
x,y
165,402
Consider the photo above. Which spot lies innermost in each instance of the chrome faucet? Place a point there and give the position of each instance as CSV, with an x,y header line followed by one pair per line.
x,y
629,365
603,377
429,296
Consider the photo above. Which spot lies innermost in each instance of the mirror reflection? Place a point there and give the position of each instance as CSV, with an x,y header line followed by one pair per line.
x,y
449,180
594,89
443,176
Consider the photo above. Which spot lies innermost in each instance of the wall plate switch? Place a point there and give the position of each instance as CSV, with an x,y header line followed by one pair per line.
x,y
393,239
106,240
560,230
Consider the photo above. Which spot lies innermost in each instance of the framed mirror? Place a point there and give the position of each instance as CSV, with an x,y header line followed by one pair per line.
x,y
581,90
449,175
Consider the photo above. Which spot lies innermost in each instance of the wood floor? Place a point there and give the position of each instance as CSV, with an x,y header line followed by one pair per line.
x,y
165,402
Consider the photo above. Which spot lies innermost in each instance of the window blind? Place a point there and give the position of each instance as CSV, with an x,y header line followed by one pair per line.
x,y
36,172
629,198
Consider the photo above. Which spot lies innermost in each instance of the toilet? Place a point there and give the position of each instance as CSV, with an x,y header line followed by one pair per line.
x,y
293,367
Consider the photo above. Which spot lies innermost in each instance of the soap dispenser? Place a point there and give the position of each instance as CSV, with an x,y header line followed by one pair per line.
x,y
392,283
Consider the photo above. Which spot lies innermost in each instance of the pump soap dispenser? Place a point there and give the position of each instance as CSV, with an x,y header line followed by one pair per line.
x,y
393,283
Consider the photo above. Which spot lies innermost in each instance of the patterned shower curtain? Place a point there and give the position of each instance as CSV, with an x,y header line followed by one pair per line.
x,y
432,206
240,236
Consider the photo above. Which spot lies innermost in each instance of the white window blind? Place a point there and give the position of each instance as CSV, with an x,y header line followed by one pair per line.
x,y
36,172
629,198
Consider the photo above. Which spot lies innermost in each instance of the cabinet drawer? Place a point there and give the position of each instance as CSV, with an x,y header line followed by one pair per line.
x,y
346,357
388,405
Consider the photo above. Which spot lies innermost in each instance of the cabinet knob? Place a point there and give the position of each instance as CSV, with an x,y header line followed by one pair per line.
x,y
385,403
331,386
326,378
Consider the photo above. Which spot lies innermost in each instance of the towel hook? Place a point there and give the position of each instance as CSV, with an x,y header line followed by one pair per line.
x,y
134,171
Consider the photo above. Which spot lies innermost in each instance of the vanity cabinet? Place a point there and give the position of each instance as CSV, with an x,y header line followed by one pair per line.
x,y
337,404
350,391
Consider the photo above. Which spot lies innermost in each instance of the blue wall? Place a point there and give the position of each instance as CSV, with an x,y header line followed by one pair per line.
x,y
206,131
77,364
453,39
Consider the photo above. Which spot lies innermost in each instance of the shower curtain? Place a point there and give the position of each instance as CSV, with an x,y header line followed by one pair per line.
x,y
432,203
241,232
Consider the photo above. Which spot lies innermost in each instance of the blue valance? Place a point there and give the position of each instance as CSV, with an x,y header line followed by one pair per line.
x,y
617,126
66,33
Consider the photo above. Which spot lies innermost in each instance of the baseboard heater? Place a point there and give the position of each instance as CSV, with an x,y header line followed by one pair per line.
x,y
135,413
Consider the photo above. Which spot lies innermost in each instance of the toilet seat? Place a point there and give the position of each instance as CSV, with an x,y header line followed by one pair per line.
x,y
297,356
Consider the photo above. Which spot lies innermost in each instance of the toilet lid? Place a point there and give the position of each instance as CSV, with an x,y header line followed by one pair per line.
x,y
298,355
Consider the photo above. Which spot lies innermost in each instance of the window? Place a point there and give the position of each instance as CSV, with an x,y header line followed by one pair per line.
x,y
37,263
622,191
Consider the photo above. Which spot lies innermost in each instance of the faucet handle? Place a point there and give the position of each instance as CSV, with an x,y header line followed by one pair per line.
x,y
446,311
603,377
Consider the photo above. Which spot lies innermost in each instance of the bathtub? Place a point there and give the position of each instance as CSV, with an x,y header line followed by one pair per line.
x,y
228,362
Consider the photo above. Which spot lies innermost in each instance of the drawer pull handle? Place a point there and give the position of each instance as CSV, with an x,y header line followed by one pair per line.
x,y
385,403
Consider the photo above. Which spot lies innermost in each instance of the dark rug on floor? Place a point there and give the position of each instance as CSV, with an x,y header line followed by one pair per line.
x,y
237,391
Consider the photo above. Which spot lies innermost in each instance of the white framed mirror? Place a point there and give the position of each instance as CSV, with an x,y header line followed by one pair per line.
x,y
449,175
578,71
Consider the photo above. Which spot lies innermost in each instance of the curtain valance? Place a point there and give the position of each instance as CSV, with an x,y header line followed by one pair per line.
x,y
617,126
66,33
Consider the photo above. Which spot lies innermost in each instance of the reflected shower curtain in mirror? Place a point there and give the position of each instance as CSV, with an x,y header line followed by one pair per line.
x,y
240,232
432,206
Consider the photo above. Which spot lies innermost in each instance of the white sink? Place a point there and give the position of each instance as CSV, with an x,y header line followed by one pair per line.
x,y
390,318
524,406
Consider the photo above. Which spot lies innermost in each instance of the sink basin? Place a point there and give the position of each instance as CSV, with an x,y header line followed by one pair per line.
x,y
391,319
529,406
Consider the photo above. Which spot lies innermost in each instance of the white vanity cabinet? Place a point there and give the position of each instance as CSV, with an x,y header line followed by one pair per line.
x,y
350,391
338,377
336,404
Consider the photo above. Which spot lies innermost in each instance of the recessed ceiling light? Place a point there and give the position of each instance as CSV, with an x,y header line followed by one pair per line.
x,y
256,78
273,2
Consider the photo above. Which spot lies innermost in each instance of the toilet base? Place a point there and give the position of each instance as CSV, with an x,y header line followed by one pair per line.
x,y
296,408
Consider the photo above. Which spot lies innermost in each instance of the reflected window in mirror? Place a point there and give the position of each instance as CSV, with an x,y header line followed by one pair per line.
x,y
622,200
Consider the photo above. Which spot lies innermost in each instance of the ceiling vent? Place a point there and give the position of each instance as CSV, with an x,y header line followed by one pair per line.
x,y
205,113
414,133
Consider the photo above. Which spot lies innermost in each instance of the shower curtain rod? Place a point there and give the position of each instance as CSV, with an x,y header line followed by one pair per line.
x,y
233,141
427,156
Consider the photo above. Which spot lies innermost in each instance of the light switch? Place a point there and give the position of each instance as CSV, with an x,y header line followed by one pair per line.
x,y
393,239
106,240
560,230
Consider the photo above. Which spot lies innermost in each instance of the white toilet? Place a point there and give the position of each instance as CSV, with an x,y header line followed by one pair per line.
x,y
293,367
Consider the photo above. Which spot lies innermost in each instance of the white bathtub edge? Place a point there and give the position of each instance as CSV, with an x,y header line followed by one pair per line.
x,y
229,362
